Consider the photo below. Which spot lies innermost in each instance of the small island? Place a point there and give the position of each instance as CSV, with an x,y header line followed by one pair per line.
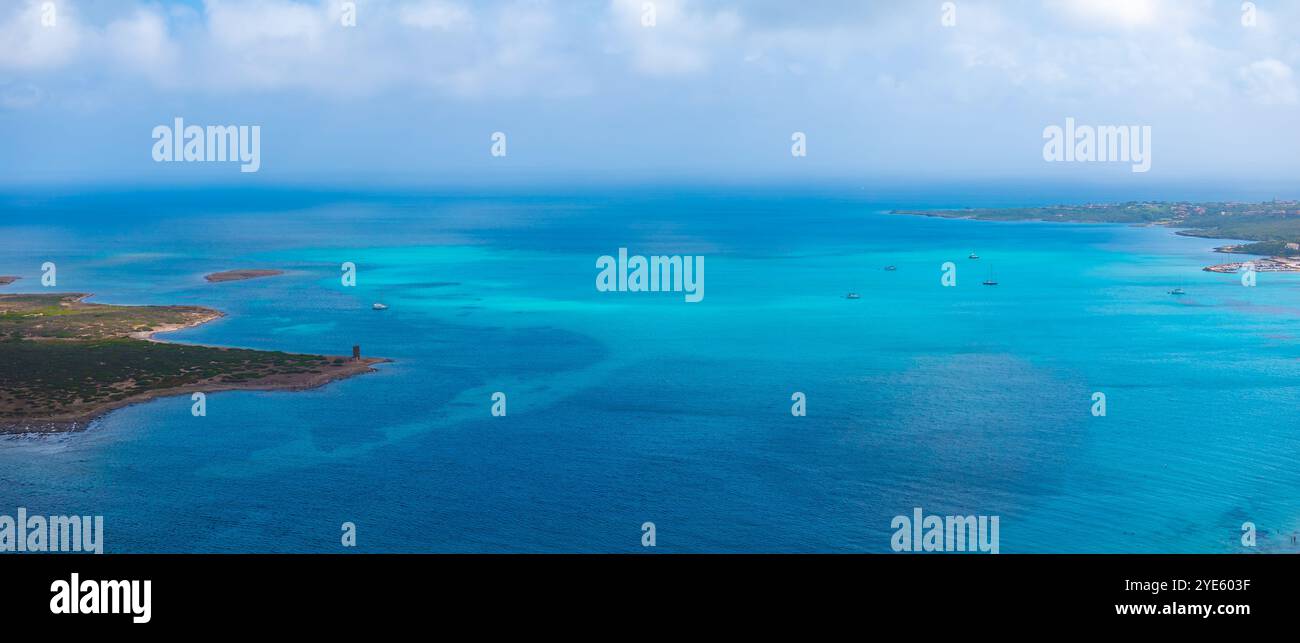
x,y
5,280
67,362
241,275
1271,227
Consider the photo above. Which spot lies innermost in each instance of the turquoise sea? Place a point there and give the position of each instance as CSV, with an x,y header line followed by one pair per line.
x,y
625,408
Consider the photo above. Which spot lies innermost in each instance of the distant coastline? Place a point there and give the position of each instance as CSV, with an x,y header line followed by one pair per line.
x,y
1271,227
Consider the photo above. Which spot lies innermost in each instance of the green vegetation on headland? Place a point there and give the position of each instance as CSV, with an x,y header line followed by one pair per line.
x,y
1270,248
64,362
1274,222
1273,227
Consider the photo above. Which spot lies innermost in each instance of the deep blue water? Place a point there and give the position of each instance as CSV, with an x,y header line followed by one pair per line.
x,y
626,408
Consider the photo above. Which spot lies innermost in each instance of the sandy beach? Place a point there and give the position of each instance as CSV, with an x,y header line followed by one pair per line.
x,y
337,367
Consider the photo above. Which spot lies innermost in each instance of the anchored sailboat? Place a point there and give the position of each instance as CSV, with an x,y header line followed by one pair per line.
x,y
990,281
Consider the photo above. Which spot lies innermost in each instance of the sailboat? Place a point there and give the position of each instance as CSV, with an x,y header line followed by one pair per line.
x,y
990,281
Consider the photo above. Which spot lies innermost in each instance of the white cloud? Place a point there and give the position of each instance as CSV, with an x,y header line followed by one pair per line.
x,y
280,24
1125,14
681,41
883,76
142,42
517,48
1270,82
435,14
26,43
1058,52
267,44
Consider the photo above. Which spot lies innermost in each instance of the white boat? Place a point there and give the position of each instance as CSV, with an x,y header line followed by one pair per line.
x,y
1178,291
853,295
379,307
973,255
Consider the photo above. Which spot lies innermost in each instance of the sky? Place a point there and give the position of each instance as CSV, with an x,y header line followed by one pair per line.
x,y
711,92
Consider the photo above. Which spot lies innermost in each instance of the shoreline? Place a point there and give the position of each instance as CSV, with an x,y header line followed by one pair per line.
x,y
1265,263
81,420
74,422
242,274
148,335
